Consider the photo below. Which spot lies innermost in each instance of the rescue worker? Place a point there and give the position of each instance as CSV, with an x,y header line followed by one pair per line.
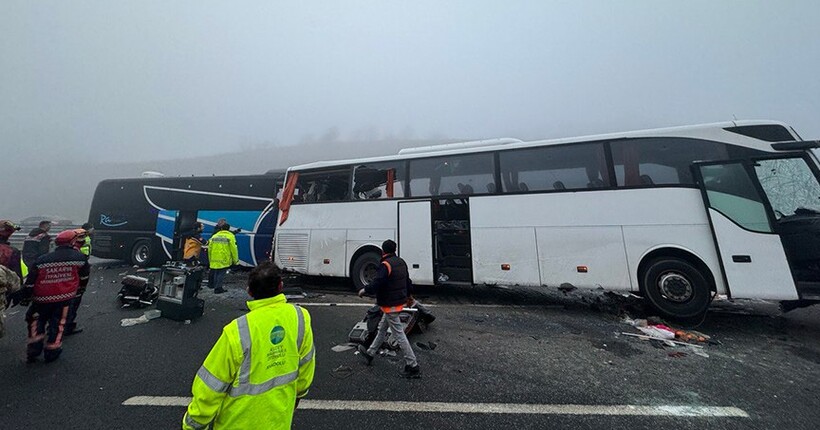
x,y
222,254
53,281
85,245
82,244
391,287
37,243
260,366
192,247
11,273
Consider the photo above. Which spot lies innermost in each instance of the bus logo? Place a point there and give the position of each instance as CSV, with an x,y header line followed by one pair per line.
x,y
110,221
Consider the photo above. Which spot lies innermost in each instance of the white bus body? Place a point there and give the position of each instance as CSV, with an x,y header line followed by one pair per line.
x,y
611,217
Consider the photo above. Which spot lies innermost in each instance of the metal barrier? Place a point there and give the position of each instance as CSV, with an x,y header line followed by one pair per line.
x,y
16,240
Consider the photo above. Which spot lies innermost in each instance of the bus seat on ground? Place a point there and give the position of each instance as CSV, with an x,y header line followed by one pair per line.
x,y
558,185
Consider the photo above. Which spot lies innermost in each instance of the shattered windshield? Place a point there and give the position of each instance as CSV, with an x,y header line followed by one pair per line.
x,y
790,185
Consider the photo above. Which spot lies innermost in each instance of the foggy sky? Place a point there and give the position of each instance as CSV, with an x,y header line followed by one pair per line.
x,y
145,80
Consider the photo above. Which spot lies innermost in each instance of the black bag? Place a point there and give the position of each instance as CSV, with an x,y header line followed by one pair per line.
x,y
137,292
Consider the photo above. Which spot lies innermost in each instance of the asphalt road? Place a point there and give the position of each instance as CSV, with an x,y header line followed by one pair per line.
x,y
530,349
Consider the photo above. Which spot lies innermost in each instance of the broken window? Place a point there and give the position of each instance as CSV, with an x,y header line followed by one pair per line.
x,y
789,184
378,181
323,186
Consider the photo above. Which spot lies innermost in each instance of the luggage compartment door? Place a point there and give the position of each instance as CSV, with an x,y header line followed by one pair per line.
x,y
415,240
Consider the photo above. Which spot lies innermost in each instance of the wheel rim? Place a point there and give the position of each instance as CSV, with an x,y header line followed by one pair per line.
x,y
368,272
142,253
675,287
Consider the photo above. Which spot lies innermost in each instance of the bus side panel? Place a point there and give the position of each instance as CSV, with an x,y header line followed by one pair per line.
x,y
327,252
493,247
696,239
563,250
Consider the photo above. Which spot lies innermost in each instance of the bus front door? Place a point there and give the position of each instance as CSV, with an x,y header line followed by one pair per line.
x,y
746,229
415,240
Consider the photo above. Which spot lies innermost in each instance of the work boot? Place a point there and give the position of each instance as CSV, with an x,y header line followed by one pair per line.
x,y
363,352
219,291
75,330
411,372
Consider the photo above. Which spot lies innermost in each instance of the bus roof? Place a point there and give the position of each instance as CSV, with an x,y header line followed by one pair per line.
x,y
712,131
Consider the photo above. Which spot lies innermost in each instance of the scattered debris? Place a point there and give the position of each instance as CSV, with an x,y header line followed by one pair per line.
x,y
676,354
127,322
342,372
646,337
657,332
187,322
566,287
343,347
429,346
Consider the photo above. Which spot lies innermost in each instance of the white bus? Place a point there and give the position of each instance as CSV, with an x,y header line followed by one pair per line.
x,y
676,215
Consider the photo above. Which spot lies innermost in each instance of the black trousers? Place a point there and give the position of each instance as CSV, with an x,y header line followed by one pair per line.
x,y
46,327
70,325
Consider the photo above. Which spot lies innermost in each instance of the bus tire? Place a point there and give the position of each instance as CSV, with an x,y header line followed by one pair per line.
x,y
364,269
142,253
675,288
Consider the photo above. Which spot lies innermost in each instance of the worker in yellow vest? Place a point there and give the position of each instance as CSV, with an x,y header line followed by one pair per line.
x,y
260,367
222,254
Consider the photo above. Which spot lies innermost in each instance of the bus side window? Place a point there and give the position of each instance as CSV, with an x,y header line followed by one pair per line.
x,y
661,161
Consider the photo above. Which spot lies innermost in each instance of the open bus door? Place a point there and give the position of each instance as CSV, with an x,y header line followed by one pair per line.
x,y
415,240
765,217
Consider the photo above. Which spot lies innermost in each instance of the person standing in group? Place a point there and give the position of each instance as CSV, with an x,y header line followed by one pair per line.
x,y
37,243
53,281
222,254
83,244
260,367
192,245
11,274
391,287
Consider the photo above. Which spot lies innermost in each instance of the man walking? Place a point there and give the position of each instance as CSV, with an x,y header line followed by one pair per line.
x,y
55,279
260,367
391,287
222,254
37,243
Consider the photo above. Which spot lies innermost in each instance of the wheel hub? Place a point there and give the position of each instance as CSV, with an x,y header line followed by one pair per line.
x,y
675,287
368,273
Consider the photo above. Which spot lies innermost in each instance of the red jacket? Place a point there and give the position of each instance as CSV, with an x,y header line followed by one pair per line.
x,y
58,275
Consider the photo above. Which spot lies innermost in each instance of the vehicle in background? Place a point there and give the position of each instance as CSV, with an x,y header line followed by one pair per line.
x,y
676,215
140,220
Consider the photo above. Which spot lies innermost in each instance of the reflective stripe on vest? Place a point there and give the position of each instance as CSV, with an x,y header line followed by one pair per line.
x,y
190,421
245,387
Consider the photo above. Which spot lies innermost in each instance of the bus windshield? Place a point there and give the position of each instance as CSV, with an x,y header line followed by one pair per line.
x,y
790,185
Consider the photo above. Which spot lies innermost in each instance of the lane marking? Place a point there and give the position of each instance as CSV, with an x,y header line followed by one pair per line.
x,y
460,305
483,408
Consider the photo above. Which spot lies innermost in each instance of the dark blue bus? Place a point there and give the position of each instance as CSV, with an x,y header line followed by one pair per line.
x,y
140,220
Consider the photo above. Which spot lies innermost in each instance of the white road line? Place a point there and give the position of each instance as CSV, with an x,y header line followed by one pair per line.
x,y
460,305
484,408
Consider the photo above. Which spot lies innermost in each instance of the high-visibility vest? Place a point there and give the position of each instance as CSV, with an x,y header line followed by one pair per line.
x,y
86,247
222,250
262,362
23,269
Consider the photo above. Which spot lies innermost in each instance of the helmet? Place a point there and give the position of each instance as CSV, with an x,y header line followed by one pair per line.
x,y
7,228
66,238
81,233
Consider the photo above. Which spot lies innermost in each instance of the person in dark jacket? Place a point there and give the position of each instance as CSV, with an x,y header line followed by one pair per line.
x,y
53,281
37,243
391,287
9,255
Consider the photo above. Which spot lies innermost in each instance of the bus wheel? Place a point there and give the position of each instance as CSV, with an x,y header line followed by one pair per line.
x,y
675,288
364,269
142,253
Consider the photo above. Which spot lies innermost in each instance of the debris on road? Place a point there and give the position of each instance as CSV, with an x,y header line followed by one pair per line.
x,y
343,347
342,372
429,346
